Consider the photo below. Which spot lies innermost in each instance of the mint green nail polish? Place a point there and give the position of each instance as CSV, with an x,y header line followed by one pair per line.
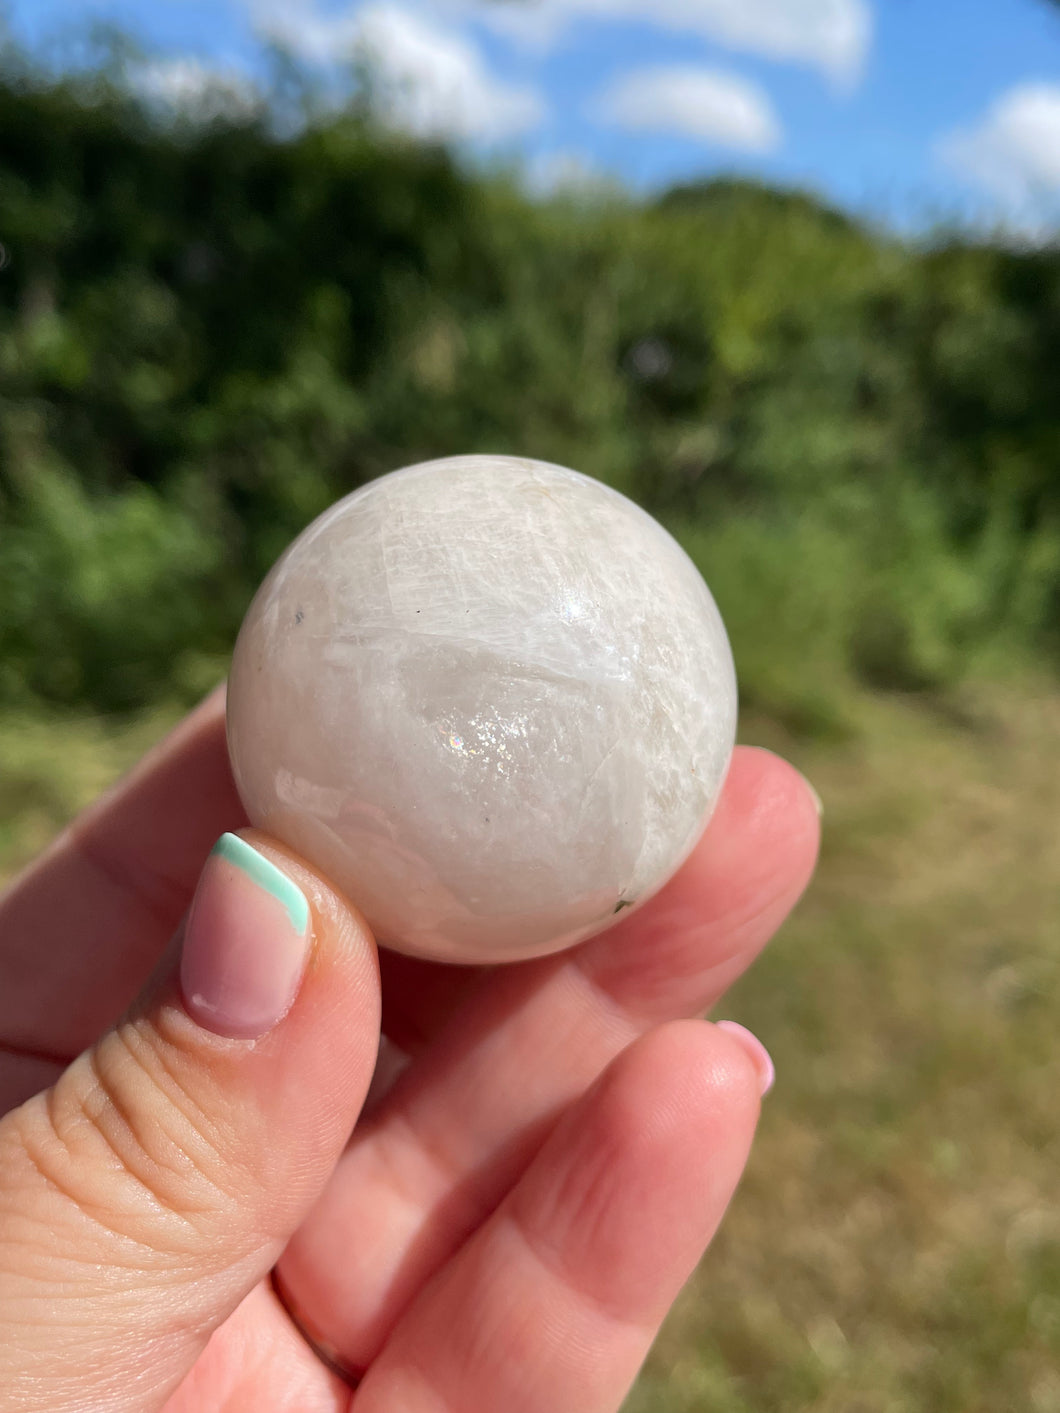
x,y
266,875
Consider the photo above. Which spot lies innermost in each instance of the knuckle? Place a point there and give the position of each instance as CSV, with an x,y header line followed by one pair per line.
x,y
119,1147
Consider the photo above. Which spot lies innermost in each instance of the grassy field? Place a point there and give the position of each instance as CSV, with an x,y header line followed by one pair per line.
x,y
896,1245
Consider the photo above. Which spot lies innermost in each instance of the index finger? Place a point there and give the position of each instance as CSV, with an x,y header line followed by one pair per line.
x,y
82,928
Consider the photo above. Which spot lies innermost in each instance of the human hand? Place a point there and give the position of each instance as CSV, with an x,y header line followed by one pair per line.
x,y
504,1230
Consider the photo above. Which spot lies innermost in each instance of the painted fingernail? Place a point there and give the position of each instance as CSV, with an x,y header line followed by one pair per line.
x,y
760,1056
246,941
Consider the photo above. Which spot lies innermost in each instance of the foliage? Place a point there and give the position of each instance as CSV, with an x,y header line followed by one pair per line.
x,y
212,325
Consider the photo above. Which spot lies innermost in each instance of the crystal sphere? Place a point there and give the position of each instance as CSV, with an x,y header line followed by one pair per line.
x,y
491,699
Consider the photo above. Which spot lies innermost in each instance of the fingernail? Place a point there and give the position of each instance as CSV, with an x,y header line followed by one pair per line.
x,y
814,796
245,942
760,1056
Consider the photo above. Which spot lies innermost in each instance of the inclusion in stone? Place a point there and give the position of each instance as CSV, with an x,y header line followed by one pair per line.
x,y
491,699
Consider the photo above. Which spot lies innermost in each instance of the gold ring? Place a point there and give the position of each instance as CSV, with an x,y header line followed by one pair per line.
x,y
325,1352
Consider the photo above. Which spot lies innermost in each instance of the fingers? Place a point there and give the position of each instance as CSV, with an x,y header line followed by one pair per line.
x,y
440,1152
148,1191
683,952
553,1304
83,928
257,1362
420,997
24,1075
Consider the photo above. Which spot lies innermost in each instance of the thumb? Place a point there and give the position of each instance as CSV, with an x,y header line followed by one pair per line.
x,y
147,1192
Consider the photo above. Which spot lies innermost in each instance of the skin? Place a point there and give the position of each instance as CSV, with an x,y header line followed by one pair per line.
x,y
505,1228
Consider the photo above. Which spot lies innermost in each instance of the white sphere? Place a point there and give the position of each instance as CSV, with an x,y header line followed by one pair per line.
x,y
491,699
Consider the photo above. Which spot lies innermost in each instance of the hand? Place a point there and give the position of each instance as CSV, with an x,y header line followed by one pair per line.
x,y
505,1229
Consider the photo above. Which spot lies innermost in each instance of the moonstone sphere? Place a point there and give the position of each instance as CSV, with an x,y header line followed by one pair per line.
x,y
491,699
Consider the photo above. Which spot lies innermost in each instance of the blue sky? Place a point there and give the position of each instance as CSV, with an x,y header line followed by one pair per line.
x,y
913,110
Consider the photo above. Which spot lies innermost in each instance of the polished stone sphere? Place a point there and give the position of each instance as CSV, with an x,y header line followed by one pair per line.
x,y
491,699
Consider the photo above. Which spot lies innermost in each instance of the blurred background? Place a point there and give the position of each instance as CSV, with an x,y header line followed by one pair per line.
x,y
785,271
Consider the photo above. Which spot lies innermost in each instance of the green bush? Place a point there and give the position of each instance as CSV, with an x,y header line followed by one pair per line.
x,y
211,329
106,601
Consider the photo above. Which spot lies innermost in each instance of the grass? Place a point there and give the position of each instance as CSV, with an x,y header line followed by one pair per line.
x,y
51,766
896,1244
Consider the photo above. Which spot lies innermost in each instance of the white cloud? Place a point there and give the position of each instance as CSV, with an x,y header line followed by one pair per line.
x,y
299,27
1013,154
193,86
432,80
831,35
706,104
